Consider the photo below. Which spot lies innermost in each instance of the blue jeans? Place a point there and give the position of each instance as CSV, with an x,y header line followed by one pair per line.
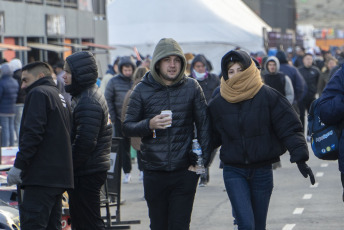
x,y
249,191
7,124
17,118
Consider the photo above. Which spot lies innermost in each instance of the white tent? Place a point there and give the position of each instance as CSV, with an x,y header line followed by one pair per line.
x,y
210,27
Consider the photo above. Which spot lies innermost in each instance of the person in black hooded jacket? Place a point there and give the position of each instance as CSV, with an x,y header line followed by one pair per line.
x,y
43,164
115,92
166,153
255,125
91,140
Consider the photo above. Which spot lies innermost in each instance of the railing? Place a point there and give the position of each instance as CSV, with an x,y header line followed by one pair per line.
x,y
34,1
53,2
71,3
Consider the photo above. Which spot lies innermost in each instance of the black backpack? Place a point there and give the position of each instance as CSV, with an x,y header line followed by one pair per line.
x,y
324,138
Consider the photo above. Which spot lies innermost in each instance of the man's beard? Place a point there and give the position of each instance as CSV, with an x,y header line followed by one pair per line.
x,y
168,78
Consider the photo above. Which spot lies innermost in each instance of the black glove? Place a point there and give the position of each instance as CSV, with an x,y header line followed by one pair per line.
x,y
306,171
193,158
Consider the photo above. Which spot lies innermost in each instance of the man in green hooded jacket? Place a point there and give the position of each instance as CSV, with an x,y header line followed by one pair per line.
x,y
169,182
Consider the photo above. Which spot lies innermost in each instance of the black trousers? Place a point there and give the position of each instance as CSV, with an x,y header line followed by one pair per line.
x,y
170,197
139,160
41,208
303,106
125,149
84,202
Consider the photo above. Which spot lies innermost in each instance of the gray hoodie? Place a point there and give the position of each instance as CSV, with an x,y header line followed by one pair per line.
x,y
288,87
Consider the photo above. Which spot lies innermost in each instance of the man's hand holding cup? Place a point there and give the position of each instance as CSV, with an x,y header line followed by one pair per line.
x,y
161,121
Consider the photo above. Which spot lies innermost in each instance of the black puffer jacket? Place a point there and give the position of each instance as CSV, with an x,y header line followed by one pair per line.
x,y
170,149
311,76
257,131
91,135
117,88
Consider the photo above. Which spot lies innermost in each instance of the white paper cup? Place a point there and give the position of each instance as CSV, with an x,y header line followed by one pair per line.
x,y
168,112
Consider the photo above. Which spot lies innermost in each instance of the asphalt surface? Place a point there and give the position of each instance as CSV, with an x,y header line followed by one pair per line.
x,y
294,205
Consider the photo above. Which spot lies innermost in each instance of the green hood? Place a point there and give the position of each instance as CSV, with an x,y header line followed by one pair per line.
x,y
167,47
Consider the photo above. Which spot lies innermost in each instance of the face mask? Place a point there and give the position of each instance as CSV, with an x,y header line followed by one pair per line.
x,y
199,76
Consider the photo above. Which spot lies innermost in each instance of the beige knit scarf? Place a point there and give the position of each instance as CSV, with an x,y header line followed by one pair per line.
x,y
242,86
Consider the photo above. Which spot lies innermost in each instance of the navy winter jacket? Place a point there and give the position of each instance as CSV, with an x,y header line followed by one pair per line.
x,y
332,107
8,94
299,84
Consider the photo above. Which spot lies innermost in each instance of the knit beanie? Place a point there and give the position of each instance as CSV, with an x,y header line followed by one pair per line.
x,y
15,64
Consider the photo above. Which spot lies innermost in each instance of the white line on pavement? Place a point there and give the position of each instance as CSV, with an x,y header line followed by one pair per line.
x,y
319,174
323,165
315,185
307,196
298,211
288,226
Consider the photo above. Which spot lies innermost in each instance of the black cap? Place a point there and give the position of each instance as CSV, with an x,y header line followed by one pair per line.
x,y
235,56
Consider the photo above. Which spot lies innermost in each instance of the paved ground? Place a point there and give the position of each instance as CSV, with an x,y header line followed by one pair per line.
x,y
295,205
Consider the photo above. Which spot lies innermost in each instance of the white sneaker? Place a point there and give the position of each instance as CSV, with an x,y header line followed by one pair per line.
x,y
127,178
141,176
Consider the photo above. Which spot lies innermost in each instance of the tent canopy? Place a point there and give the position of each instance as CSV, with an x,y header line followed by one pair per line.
x,y
211,27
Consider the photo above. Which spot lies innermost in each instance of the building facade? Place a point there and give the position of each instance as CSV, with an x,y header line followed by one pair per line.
x,y
50,30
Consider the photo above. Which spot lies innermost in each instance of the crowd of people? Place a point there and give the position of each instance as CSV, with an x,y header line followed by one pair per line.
x,y
63,121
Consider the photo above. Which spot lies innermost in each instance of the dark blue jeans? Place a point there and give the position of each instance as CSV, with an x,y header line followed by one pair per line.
x,y
249,191
17,119
7,124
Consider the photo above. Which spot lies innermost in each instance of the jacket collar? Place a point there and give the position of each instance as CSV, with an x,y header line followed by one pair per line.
x,y
48,80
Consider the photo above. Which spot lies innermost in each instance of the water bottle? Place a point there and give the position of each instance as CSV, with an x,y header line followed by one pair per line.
x,y
196,148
